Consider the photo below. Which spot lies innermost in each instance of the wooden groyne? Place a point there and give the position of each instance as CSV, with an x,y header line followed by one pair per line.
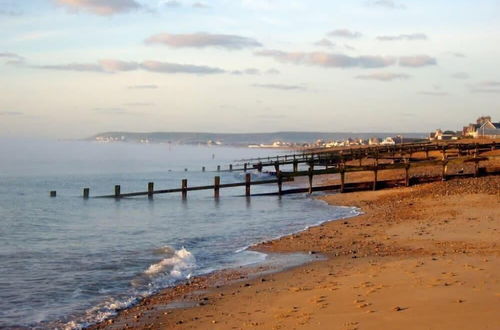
x,y
342,162
397,153
184,189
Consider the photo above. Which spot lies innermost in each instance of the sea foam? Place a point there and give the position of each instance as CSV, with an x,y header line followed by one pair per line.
x,y
179,265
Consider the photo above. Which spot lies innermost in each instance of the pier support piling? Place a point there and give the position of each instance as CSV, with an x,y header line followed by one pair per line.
x,y
248,180
407,174
151,188
216,186
280,183
117,191
184,188
86,193
342,180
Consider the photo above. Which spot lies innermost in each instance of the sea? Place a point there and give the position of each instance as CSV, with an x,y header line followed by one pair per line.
x,y
68,262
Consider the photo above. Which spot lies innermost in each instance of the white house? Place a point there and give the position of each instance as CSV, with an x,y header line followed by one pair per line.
x,y
388,141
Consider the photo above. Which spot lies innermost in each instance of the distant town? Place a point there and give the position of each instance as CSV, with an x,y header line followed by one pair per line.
x,y
483,127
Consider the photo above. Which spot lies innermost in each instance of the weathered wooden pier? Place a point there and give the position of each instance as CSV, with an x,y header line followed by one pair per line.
x,y
348,160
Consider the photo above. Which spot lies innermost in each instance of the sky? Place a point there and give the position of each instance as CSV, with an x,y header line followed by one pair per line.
x,y
74,68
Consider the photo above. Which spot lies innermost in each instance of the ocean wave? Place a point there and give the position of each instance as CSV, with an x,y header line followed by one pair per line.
x,y
179,265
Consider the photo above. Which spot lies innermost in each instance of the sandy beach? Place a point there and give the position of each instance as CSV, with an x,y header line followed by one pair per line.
x,y
421,257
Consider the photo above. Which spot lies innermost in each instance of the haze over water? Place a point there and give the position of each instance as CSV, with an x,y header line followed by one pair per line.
x,y
67,262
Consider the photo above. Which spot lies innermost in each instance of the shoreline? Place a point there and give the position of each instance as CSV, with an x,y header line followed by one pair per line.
x,y
183,293
211,293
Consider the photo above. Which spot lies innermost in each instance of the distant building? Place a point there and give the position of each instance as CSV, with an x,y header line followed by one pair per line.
x,y
388,141
373,141
484,127
439,135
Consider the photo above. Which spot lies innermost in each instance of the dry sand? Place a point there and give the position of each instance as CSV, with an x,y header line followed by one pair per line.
x,y
423,257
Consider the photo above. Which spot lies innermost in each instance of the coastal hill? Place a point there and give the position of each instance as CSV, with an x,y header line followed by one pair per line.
x,y
241,138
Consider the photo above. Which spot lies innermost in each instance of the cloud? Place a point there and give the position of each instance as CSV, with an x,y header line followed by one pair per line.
x,y
171,3
10,113
486,90
456,54
252,71
105,66
486,87
460,75
203,40
433,93
325,43
386,4
489,83
114,66
139,104
273,71
10,12
384,76
113,111
411,37
281,87
328,59
200,5
85,67
417,61
143,87
166,67
344,33
100,7
11,56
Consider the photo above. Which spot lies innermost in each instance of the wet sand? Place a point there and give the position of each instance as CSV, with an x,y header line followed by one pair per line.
x,y
422,257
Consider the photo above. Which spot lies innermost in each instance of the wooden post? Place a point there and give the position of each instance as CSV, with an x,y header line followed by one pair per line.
x,y
295,165
203,169
280,183
407,174
342,179
248,180
375,177
53,193
218,168
86,193
117,191
184,188
445,170
259,167
476,169
230,167
427,152
151,189
216,186
311,169
245,167
277,167
443,151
